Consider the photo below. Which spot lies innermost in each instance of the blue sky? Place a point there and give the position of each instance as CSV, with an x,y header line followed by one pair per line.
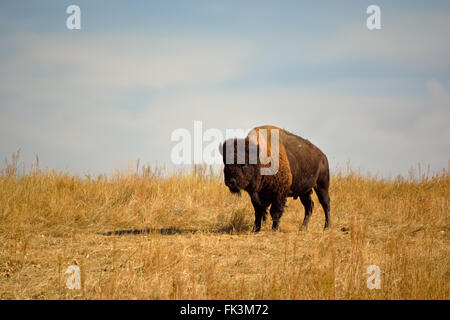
x,y
99,98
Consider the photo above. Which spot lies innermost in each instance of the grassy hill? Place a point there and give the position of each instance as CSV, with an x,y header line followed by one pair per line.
x,y
145,236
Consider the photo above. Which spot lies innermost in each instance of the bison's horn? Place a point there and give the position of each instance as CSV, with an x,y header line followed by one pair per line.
x,y
221,148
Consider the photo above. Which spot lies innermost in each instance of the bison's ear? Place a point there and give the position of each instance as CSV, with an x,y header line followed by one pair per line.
x,y
221,149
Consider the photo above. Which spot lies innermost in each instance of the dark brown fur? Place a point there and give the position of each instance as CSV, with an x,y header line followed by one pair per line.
x,y
302,168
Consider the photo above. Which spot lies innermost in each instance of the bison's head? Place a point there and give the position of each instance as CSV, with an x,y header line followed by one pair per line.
x,y
240,160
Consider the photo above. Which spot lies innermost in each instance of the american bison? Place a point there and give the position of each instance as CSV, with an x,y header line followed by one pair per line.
x,y
301,168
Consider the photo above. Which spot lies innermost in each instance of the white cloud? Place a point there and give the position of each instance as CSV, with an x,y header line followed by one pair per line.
x,y
58,94
351,128
347,127
415,41
124,61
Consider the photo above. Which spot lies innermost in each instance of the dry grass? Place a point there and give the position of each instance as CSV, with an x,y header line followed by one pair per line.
x,y
186,237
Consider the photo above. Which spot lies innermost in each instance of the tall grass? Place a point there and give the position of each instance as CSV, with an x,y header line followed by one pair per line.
x,y
148,235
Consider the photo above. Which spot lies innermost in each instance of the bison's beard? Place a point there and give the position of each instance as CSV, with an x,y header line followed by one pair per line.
x,y
235,190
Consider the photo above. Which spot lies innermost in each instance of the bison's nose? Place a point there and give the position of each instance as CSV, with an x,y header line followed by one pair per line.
x,y
231,183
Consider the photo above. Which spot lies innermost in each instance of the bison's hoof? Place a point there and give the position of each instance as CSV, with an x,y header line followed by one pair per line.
x,y
275,226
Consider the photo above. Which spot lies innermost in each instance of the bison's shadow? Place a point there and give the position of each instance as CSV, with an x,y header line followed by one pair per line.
x,y
164,231
175,230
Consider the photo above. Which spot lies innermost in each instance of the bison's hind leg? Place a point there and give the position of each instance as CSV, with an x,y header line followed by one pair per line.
x,y
307,202
324,199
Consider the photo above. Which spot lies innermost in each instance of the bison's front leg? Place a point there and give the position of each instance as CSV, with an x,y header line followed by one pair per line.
x,y
260,210
276,211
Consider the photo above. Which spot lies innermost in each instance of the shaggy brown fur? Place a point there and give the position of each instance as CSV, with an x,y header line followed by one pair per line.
x,y
302,168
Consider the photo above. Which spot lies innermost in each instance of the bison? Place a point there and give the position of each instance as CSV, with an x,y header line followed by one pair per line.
x,y
301,168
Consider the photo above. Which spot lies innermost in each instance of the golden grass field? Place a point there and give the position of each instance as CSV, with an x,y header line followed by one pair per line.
x,y
199,243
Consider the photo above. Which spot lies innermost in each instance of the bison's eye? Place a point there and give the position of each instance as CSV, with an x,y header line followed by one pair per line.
x,y
244,168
